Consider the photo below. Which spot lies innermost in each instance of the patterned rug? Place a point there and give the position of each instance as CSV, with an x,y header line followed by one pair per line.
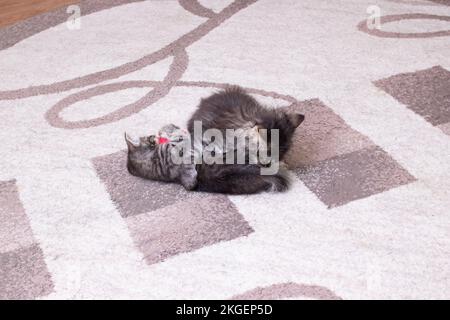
x,y
367,217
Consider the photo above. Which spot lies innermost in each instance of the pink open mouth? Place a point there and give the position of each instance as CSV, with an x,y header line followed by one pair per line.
x,y
162,140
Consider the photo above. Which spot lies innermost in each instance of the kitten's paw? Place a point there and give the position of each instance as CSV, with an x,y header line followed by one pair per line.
x,y
189,181
189,185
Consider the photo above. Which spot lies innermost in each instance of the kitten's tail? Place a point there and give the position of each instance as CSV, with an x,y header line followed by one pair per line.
x,y
279,182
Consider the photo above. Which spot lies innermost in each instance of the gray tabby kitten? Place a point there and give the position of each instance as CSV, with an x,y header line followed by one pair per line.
x,y
149,158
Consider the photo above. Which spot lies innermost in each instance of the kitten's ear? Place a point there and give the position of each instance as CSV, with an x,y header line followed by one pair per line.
x,y
132,145
296,119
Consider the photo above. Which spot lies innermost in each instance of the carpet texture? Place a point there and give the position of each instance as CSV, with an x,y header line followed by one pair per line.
x,y
368,215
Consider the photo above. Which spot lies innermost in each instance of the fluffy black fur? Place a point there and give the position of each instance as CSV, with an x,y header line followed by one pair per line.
x,y
239,179
233,108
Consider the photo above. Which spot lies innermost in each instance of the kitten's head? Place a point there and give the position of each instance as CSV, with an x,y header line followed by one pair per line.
x,y
141,151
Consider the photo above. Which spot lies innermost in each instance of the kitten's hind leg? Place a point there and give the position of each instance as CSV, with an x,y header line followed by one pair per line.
x,y
241,179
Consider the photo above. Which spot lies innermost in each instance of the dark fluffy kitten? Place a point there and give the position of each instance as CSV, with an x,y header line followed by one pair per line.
x,y
233,108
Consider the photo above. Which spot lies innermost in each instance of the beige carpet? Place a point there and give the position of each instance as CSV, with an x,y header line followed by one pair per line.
x,y
367,217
